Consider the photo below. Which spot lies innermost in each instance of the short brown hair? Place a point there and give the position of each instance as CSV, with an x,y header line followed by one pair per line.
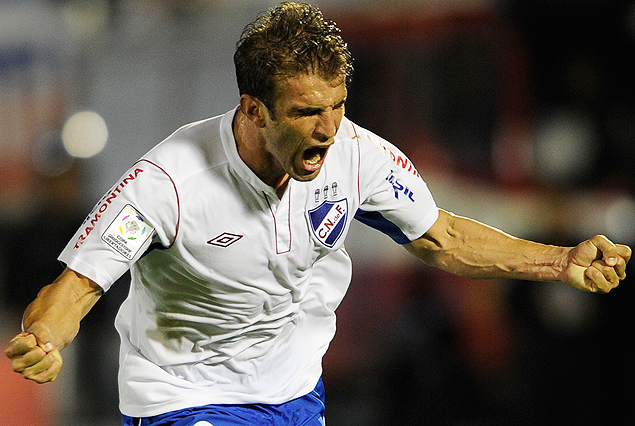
x,y
289,39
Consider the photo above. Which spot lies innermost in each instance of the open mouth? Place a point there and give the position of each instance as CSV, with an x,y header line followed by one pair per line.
x,y
314,157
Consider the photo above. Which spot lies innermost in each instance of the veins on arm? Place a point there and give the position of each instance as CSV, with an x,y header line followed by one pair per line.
x,y
469,248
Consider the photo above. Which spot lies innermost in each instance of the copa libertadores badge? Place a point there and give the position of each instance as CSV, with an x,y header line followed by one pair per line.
x,y
127,233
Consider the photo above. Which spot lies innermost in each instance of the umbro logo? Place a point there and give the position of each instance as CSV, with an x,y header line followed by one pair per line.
x,y
224,240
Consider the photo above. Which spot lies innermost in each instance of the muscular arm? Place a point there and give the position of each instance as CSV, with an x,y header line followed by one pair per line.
x,y
468,248
50,323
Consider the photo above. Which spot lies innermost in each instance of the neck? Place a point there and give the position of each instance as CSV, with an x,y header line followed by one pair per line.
x,y
252,150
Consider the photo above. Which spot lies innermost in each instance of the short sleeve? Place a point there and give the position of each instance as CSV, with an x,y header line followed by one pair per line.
x,y
141,209
394,199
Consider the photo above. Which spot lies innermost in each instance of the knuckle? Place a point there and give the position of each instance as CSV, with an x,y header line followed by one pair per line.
x,y
40,380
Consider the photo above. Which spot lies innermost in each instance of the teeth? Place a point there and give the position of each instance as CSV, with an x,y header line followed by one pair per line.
x,y
315,159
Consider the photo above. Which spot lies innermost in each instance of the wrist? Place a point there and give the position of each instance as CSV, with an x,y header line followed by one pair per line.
x,y
559,268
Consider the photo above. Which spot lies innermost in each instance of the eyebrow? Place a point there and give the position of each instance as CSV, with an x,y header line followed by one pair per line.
x,y
315,110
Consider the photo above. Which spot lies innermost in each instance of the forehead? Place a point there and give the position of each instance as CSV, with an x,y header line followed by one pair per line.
x,y
310,90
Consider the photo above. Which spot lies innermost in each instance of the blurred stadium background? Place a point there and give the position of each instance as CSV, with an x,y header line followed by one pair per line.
x,y
520,113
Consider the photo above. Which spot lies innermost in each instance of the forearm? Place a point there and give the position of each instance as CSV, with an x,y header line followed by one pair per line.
x,y
469,248
60,307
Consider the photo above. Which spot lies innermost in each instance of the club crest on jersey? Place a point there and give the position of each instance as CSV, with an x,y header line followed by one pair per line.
x,y
328,221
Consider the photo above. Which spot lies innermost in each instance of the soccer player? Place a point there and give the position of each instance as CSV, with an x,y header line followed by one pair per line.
x,y
233,230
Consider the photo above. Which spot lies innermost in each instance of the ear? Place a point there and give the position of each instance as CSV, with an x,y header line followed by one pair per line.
x,y
254,110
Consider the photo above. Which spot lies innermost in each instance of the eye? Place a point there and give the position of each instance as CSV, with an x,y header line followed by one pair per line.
x,y
309,112
305,112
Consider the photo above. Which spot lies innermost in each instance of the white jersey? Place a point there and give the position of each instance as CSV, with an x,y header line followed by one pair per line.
x,y
234,291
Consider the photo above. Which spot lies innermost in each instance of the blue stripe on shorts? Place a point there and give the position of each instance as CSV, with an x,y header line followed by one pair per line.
x,y
307,410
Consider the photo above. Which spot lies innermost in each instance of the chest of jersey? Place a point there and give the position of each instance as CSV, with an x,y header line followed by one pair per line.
x,y
231,230
224,226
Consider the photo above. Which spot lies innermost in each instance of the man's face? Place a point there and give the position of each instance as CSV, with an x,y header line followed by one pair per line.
x,y
308,113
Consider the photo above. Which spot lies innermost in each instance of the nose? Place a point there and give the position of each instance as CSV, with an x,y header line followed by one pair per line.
x,y
327,125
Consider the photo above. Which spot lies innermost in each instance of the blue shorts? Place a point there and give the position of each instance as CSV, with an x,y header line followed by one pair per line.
x,y
307,410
